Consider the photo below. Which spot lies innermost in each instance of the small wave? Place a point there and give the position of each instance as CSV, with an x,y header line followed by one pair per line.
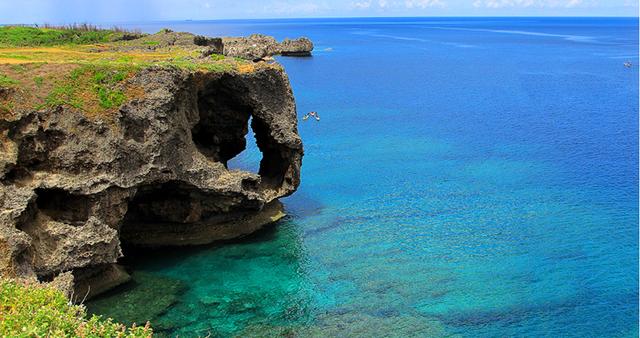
x,y
406,38
460,45
396,37
575,38
626,57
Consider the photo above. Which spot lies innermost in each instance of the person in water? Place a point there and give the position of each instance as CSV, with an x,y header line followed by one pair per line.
x,y
628,64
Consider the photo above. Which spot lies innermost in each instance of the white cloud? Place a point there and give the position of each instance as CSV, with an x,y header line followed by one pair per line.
x,y
294,8
383,3
527,3
573,3
361,4
424,3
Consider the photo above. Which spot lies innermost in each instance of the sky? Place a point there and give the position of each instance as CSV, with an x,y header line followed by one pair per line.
x,y
103,11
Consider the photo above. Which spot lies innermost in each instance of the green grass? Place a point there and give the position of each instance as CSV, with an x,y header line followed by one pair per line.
x,y
64,94
19,68
6,81
103,80
217,57
20,36
38,80
36,310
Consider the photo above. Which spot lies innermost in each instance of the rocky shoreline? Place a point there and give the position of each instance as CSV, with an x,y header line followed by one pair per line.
x,y
75,185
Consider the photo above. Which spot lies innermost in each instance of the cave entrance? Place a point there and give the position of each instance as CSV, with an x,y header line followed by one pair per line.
x,y
227,117
223,124
249,159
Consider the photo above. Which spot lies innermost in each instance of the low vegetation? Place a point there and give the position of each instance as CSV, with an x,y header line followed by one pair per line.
x,y
6,81
37,310
87,68
21,36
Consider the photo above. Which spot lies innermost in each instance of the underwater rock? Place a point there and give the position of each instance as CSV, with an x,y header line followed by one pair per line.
x,y
353,325
74,184
155,292
96,280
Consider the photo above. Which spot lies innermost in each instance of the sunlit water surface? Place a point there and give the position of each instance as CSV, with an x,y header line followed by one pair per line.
x,y
471,177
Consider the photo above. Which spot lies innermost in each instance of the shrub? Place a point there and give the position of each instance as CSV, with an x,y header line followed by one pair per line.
x,y
38,310
51,35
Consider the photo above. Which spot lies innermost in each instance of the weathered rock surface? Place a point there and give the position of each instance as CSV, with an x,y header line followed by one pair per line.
x,y
254,47
74,187
257,46
167,39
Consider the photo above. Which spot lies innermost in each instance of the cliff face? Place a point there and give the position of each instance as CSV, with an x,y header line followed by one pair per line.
x,y
75,187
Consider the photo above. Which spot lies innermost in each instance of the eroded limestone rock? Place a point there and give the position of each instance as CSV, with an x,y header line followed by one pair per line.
x,y
73,186
258,46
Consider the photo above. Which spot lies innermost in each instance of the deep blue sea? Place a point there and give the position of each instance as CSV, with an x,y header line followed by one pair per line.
x,y
473,177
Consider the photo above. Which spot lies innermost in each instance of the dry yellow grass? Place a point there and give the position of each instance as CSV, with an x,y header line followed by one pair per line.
x,y
25,55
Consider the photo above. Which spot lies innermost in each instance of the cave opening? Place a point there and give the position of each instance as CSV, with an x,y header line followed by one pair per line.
x,y
249,159
168,213
63,206
227,118
223,122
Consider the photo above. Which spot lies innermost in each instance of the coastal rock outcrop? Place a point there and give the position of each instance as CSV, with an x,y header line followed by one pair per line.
x,y
74,186
258,46
255,47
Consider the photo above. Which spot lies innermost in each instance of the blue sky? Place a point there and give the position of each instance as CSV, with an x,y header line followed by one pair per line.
x,y
65,11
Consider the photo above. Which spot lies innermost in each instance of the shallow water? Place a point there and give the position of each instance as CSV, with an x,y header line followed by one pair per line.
x,y
472,177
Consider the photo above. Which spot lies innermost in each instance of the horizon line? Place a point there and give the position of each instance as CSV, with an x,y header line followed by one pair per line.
x,y
346,17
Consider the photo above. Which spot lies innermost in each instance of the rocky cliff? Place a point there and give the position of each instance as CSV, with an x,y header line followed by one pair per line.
x,y
254,47
78,180
257,46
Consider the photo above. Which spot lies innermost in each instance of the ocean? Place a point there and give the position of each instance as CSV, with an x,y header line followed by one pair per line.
x,y
470,177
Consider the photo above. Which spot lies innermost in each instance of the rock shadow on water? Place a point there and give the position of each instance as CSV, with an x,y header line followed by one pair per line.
x,y
145,298
217,289
163,258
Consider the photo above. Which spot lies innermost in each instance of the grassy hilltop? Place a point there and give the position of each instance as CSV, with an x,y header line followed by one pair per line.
x,y
86,68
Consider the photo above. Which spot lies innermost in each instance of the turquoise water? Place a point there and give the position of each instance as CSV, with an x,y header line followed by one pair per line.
x,y
471,177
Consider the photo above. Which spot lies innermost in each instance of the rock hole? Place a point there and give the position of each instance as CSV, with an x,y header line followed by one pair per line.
x,y
226,115
63,206
220,132
249,159
173,202
274,164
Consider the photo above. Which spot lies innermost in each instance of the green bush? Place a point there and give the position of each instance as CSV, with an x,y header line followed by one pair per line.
x,y
37,310
32,36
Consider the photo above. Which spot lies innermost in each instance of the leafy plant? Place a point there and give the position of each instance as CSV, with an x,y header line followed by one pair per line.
x,y
36,310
